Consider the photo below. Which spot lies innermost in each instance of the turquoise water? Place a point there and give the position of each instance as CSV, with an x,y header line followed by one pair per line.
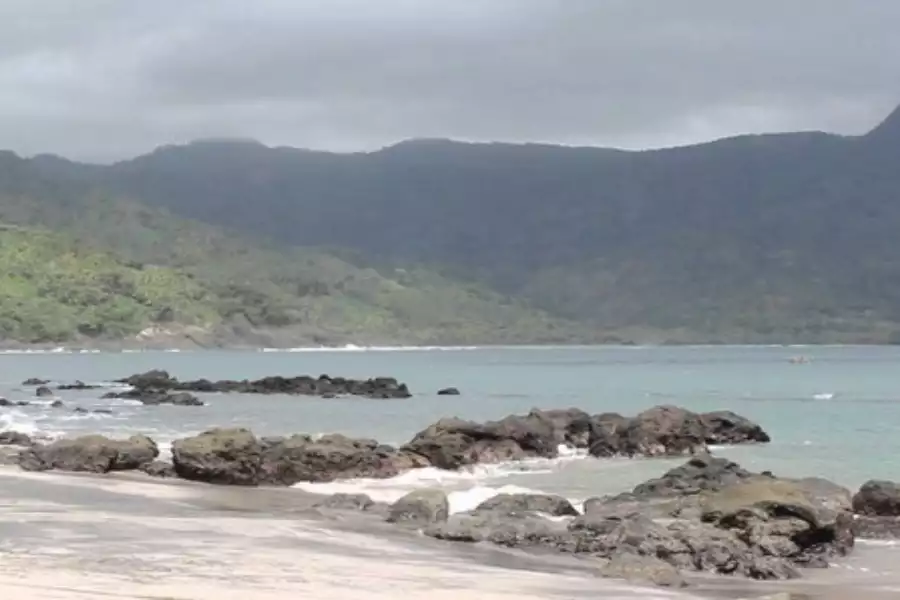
x,y
837,416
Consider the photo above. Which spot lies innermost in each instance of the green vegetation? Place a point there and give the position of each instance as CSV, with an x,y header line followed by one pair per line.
x,y
778,238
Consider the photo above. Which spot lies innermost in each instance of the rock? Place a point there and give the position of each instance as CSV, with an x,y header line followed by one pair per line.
x,y
726,427
35,381
570,426
153,397
353,502
220,456
878,499
663,431
91,453
643,569
43,392
451,391
606,435
57,404
14,438
876,528
514,530
5,402
795,519
421,507
701,473
78,385
378,387
331,457
159,468
555,506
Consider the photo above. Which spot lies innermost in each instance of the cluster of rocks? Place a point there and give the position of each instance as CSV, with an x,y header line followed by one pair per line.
x,y
238,457
324,386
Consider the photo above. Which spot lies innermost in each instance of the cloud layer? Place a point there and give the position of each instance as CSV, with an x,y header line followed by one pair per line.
x,y
106,79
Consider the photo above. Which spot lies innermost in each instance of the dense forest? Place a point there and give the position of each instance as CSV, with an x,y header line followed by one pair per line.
x,y
766,238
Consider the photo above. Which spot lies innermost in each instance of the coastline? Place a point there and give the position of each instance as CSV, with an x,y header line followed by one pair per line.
x,y
177,540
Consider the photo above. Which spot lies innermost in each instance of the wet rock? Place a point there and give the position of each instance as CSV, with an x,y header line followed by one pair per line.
x,y
663,431
421,507
555,506
78,385
34,381
512,530
606,435
43,392
90,453
570,426
301,458
349,502
451,391
219,456
150,397
794,519
726,427
5,402
701,473
878,499
57,404
324,385
159,468
643,569
14,438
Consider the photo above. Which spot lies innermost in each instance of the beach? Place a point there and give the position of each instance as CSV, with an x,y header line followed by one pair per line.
x,y
73,536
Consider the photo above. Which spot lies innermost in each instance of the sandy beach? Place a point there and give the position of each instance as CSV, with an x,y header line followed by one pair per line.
x,y
67,537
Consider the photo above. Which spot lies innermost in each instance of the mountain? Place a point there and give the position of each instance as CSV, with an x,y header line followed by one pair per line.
x,y
783,237
86,264
759,238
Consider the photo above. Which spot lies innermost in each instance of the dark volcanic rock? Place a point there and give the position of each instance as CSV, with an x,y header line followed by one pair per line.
x,y
35,381
91,453
221,456
78,385
421,507
555,506
726,427
663,431
379,387
878,499
14,438
300,458
43,392
451,391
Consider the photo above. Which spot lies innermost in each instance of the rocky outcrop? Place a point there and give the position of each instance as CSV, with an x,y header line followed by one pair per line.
x,y
878,499
709,515
324,385
159,468
91,453
420,508
149,397
237,457
727,428
43,392
877,505
450,391
34,381
220,456
554,506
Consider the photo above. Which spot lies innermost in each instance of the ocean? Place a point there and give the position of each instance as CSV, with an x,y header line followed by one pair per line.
x,y
836,414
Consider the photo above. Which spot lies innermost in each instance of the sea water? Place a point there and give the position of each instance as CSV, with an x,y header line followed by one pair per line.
x,y
835,415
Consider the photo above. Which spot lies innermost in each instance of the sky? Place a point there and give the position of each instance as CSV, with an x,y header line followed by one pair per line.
x,y
102,80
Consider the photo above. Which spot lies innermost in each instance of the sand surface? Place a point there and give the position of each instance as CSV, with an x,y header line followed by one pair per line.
x,y
68,537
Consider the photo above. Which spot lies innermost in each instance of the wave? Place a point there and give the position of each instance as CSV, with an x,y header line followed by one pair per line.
x,y
466,488
355,348
17,420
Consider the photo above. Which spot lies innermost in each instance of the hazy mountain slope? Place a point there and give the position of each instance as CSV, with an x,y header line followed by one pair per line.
x,y
742,239
241,291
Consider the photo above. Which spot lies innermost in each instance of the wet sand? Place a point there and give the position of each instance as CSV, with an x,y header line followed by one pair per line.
x,y
73,537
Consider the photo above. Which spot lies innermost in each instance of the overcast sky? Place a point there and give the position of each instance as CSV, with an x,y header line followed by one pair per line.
x,y
106,79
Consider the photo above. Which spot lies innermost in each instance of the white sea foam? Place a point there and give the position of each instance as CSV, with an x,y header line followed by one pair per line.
x,y
467,487
17,420
823,396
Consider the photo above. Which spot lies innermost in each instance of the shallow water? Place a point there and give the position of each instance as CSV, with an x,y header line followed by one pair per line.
x,y
837,416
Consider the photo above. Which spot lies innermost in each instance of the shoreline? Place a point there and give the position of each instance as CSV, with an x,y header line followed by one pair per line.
x,y
183,540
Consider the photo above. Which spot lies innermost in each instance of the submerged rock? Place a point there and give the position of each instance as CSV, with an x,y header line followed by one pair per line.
x,y
153,397
43,392
352,502
90,453
78,385
451,391
35,381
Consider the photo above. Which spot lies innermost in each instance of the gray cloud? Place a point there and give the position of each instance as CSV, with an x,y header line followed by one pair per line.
x,y
103,79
